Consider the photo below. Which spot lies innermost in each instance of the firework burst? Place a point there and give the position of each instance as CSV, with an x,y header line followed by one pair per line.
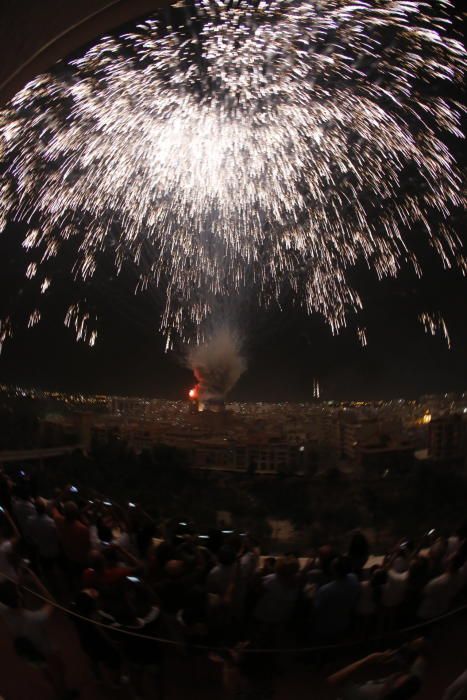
x,y
265,145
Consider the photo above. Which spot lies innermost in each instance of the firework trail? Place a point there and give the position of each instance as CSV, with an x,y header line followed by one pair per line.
x,y
6,331
434,323
268,145
362,338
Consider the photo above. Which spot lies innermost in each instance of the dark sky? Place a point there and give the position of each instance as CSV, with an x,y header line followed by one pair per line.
x,y
285,350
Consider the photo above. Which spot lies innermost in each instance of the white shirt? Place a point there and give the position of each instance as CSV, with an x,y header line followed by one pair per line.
x,y
438,594
6,569
42,531
22,510
394,589
29,624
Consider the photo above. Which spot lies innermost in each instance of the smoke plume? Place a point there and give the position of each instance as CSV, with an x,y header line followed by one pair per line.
x,y
217,364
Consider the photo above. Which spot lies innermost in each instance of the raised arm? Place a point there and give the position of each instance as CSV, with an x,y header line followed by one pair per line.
x,y
348,671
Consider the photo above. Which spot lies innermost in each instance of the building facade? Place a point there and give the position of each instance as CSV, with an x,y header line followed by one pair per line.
x,y
447,438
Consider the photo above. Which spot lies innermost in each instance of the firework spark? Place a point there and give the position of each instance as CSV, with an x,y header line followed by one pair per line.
x,y
34,318
434,323
269,145
361,334
6,331
81,321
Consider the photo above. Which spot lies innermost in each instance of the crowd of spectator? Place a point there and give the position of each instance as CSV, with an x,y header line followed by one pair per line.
x,y
134,592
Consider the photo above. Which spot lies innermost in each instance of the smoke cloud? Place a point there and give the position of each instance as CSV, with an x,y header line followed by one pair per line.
x,y
217,364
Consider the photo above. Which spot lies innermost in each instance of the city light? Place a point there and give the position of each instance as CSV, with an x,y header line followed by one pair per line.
x,y
272,436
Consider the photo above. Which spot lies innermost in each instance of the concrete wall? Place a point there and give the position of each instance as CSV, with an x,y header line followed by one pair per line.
x,y
35,34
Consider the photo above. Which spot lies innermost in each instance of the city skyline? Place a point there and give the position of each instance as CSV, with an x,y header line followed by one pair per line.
x,y
41,393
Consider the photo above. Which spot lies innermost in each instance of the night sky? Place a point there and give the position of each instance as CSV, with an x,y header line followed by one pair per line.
x,y
285,349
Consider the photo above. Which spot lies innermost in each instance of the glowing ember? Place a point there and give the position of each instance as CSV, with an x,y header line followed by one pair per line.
x,y
217,364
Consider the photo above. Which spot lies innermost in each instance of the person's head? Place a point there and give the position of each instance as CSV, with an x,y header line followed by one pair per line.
x,y
163,553
189,553
326,555
358,544
174,568
226,555
9,594
287,568
341,567
22,490
70,511
41,506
